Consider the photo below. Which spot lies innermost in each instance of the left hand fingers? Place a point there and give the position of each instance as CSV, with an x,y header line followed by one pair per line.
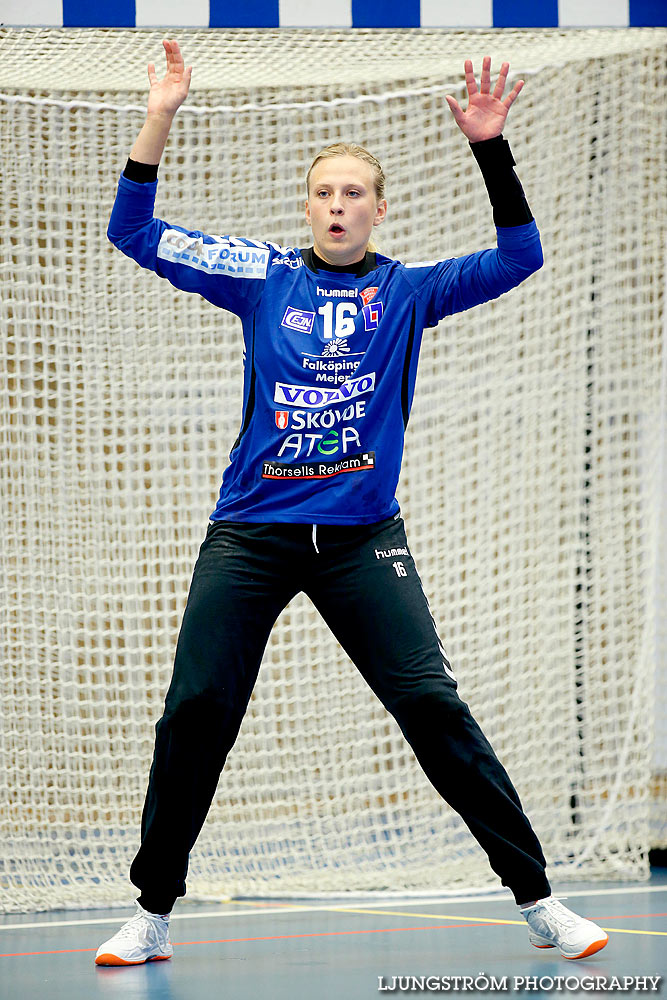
x,y
471,82
502,80
513,94
455,108
485,79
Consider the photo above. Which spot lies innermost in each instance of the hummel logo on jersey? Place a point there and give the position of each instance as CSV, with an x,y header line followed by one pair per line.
x,y
298,319
367,294
338,293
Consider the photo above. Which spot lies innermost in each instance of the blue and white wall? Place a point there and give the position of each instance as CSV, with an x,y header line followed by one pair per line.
x,y
336,13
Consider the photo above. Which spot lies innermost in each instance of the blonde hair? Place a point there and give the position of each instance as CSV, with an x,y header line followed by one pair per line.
x,y
353,149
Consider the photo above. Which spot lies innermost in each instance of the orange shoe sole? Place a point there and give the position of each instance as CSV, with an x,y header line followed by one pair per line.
x,y
592,948
114,960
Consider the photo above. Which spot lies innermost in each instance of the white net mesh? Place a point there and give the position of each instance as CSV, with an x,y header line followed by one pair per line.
x,y
531,485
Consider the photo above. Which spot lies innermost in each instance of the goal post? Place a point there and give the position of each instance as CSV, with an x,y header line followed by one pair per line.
x,y
531,484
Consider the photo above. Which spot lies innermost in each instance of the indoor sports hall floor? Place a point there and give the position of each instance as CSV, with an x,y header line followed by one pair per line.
x,y
338,950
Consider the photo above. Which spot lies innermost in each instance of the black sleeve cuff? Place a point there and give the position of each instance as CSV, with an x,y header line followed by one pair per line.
x,y
142,173
496,162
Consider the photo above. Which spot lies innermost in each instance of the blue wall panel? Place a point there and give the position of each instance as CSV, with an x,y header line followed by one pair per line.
x,y
243,14
101,14
525,14
360,13
385,13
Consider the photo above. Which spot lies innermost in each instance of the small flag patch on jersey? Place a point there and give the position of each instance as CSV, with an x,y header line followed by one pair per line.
x,y
372,316
367,294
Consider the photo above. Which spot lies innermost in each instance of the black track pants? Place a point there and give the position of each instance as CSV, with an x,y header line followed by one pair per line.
x,y
372,599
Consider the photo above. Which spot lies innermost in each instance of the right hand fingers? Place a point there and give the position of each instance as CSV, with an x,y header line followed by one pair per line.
x,y
174,62
454,107
173,54
175,84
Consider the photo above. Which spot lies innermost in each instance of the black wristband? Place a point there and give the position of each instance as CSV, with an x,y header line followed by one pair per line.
x,y
142,173
496,162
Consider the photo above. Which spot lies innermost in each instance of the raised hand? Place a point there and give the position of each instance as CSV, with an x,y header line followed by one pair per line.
x,y
167,95
485,115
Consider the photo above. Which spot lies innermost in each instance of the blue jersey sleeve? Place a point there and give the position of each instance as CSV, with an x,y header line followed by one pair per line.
x,y
228,271
451,286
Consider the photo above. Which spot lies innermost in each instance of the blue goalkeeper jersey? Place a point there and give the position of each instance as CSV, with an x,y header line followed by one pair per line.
x,y
330,357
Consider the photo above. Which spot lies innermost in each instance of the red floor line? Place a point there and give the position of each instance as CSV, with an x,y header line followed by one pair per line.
x,y
632,916
272,937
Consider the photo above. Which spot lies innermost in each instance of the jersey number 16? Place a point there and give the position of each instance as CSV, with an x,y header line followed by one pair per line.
x,y
344,324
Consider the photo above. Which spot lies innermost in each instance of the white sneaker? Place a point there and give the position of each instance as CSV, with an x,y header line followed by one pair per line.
x,y
552,925
144,938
